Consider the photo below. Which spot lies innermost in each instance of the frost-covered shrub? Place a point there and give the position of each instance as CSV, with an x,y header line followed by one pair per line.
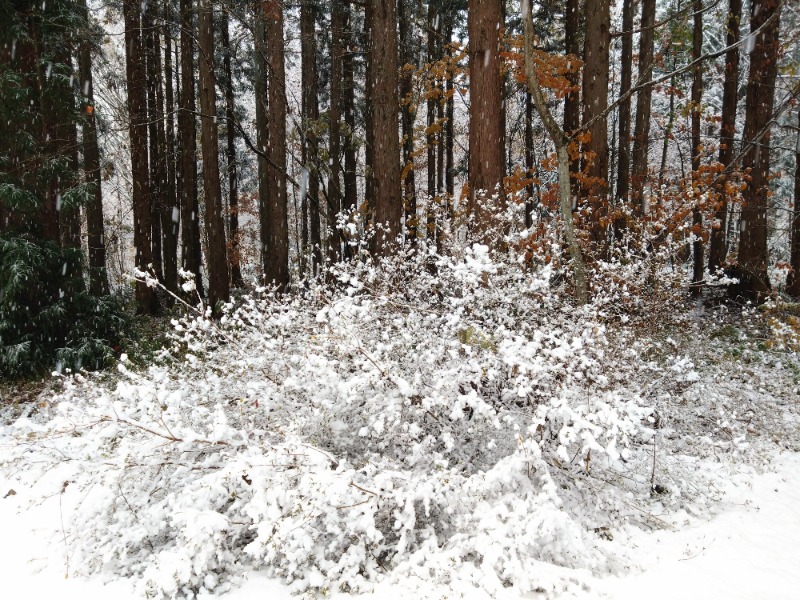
x,y
408,419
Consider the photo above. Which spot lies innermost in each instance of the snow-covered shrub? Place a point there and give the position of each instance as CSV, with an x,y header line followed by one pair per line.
x,y
425,411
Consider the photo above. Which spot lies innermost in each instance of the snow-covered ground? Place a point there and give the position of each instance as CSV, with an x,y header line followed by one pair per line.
x,y
749,551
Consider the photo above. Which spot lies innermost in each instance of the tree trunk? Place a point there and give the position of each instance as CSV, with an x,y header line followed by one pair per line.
x,y
408,118
641,135
230,158
369,117
430,140
310,117
697,114
98,277
730,97
190,211
277,271
595,101
626,63
155,117
485,133
349,107
170,212
793,282
572,112
262,137
753,252
386,149
334,196
449,131
560,140
529,159
146,300
218,279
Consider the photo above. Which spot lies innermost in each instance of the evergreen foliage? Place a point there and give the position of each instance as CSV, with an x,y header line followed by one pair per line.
x,y
47,318
42,324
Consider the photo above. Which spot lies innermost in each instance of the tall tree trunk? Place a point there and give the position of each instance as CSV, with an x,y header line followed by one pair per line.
x,y
449,126
155,118
67,144
98,277
230,152
529,159
572,111
334,196
408,118
595,101
626,64
310,117
170,212
431,125
753,251
730,97
146,300
485,133
349,108
218,279
190,210
793,282
386,149
641,135
697,114
369,116
262,136
560,141
277,271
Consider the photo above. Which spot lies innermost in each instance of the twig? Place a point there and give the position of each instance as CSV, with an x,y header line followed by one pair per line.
x,y
366,491
64,530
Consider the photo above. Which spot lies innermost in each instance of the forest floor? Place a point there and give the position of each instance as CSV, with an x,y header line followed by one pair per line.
x,y
749,551
476,442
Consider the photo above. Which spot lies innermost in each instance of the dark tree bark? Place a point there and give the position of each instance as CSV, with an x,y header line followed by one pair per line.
x,y
98,277
146,300
277,271
310,117
334,194
431,122
218,279
753,251
641,135
170,211
230,156
485,133
595,94
386,149
626,64
408,118
529,156
793,282
190,210
349,108
730,97
262,133
697,114
369,116
155,119
63,109
572,111
449,131
594,102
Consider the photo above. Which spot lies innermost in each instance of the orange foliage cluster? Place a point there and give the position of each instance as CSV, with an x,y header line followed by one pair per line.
x,y
552,69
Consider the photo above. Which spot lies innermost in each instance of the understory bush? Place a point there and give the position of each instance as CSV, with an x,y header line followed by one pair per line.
x,y
48,321
423,416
